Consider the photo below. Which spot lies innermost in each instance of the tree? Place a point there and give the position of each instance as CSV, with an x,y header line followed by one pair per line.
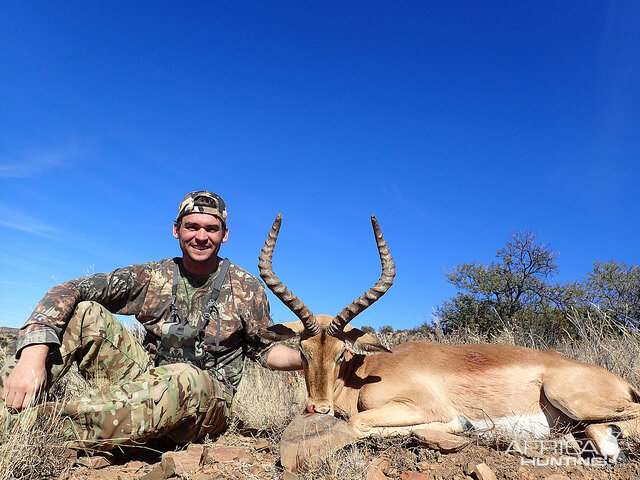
x,y
614,288
494,294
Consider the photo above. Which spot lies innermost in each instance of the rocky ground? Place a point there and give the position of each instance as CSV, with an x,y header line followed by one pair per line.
x,y
243,456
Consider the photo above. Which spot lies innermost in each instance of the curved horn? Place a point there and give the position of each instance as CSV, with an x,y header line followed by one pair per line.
x,y
276,286
374,293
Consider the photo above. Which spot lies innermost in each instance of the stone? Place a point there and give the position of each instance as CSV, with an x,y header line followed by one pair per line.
x,y
381,463
135,465
556,476
201,476
483,472
441,441
181,463
286,475
377,468
374,473
94,462
262,445
196,450
157,473
469,468
310,438
414,476
227,454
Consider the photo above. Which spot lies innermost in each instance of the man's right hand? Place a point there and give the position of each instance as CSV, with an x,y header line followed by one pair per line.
x,y
27,378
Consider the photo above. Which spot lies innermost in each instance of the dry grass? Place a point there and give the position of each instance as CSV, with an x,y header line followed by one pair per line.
x,y
33,447
267,400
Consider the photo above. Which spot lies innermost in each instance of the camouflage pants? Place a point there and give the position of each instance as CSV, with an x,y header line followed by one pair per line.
x,y
140,402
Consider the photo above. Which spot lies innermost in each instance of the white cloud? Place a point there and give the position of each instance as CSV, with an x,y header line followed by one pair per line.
x,y
27,223
38,163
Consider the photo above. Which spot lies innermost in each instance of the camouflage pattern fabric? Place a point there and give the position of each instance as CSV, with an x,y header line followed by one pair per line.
x,y
144,290
190,204
140,401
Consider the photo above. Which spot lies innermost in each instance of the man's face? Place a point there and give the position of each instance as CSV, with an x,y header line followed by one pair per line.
x,y
200,237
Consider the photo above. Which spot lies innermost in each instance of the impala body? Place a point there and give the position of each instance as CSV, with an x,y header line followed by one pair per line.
x,y
487,388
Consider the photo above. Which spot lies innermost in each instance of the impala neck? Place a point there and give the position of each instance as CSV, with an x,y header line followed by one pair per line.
x,y
348,384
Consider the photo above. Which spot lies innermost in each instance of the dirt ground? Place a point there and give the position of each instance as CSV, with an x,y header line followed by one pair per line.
x,y
262,462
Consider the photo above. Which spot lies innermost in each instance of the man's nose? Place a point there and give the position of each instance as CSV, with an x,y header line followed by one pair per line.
x,y
201,234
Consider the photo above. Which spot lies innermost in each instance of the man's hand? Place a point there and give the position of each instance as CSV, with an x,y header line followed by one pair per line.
x,y
27,378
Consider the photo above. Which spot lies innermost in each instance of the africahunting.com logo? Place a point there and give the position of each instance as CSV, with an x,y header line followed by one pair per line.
x,y
550,453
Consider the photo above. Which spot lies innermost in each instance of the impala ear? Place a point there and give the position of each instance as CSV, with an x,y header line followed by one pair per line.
x,y
282,331
365,341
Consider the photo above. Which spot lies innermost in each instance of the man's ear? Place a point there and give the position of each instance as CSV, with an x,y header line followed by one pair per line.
x,y
226,234
282,331
365,341
176,230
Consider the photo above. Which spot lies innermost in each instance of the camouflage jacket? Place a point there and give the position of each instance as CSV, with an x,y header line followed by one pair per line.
x,y
144,290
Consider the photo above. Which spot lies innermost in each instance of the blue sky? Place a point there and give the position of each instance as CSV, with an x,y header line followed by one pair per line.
x,y
456,123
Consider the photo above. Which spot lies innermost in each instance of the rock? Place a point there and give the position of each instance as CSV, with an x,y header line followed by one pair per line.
x,y
201,476
414,476
374,473
97,461
381,462
196,450
157,473
286,475
469,468
135,465
181,463
261,445
227,454
483,472
309,438
377,468
556,476
441,441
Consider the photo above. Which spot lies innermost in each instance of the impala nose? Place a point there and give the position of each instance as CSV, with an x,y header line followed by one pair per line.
x,y
323,409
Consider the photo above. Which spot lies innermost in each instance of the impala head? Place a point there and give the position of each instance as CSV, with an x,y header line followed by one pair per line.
x,y
323,337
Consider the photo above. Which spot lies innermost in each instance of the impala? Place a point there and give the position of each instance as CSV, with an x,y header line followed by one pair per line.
x,y
487,387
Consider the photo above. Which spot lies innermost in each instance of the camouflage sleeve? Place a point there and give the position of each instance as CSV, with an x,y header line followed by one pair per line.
x,y
115,291
258,317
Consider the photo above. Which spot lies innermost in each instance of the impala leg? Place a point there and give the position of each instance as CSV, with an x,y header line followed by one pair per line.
x,y
603,438
395,418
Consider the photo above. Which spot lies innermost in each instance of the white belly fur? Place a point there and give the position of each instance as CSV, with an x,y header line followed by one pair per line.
x,y
525,425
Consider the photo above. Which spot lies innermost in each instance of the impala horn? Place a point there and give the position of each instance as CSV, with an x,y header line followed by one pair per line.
x,y
282,292
374,293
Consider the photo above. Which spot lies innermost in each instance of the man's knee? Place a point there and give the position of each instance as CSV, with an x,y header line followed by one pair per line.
x,y
88,307
91,318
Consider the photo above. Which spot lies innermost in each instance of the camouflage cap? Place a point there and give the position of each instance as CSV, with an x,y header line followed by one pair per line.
x,y
203,201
